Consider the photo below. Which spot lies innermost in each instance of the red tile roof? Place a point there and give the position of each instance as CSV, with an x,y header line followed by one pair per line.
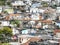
x,y
32,39
47,21
11,15
56,31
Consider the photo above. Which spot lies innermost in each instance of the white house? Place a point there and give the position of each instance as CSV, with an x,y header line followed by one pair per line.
x,y
0,9
33,10
58,2
46,0
35,17
33,31
58,10
58,24
29,2
39,23
15,31
5,23
58,35
45,26
8,9
36,10
32,22
41,10
17,3
36,5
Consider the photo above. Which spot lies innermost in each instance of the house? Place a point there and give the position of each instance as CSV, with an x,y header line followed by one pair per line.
x,y
2,16
0,9
33,10
17,3
50,10
27,18
25,31
34,5
59,17
45,36
46,0
5,23
29,2
47,21
53,42
48,26
35,16
57,33
12,16
45,26
32,23
39,25
58,11
32,32
49,16
41,10
57,2
41,17
15,31
28,31
8,10
26,39
36,10
57,24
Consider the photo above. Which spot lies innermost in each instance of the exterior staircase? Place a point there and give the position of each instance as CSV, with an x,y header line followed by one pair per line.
x,y
31,39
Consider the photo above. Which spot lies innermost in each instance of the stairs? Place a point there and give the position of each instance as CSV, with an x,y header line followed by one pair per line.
x,y
31,39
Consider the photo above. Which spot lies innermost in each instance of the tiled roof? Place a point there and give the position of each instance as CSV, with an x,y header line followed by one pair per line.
x,y
56,31
11,15
40,17
38,26
32,39
47,21
50,10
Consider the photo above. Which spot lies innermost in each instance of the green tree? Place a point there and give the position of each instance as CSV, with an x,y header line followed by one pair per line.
x,y
4,33
9,3
7,31
45,4
5,12
53,6
17,22
1,36
2,2
1,32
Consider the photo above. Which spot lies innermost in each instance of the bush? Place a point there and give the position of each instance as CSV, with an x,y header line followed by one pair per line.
x,y
54,6
17,22
4,33
2,3
45,4
4,44
9,3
